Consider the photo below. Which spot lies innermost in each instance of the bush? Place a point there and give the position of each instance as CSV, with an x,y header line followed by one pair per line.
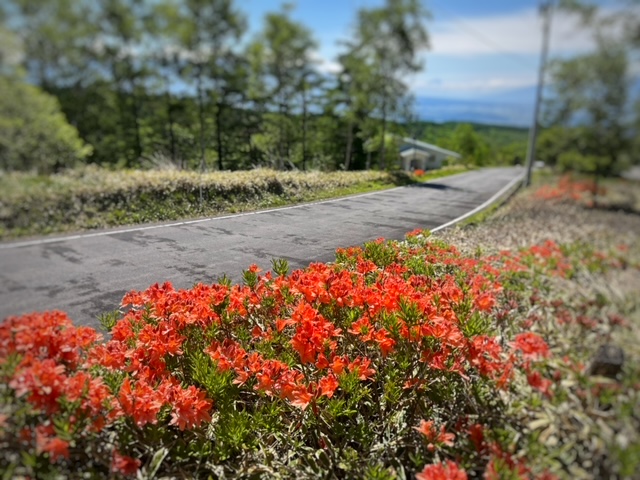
x,y
387,362
34,134
573,161
93,197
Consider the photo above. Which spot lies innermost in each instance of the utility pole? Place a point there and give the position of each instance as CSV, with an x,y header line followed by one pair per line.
x,y
546,7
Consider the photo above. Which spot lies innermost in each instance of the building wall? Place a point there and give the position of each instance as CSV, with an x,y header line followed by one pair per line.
x,y
420,160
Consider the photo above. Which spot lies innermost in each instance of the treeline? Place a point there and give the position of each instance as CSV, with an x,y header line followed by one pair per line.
x,y
478,144
179,83
592,112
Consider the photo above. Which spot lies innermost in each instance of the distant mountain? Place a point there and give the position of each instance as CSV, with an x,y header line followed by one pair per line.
x,y
496,110
510,107
520,96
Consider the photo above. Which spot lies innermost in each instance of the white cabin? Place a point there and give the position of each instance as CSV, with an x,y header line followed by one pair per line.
x,y
415,155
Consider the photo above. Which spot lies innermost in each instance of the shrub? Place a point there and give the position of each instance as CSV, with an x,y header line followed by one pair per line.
x,y
390,361
92,197
34,133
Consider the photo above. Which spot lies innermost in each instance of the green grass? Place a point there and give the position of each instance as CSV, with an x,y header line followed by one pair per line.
x,y
93,198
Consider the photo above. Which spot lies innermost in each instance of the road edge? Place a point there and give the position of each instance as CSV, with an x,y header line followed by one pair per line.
x,y
506,191
102,233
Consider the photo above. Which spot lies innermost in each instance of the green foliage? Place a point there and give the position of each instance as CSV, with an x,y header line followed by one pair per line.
x,y
553,141
499,145
93,197
34,134
470,145
465,141
383,52
573,160
591,100
174,84
496,136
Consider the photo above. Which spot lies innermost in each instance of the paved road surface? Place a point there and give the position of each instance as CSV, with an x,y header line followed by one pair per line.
x,y
88,275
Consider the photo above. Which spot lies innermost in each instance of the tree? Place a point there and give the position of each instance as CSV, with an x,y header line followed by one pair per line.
x,y
310,83
223,27
466,141
555,140
591,92
199,37
285,60
355,82
388,40
123,26
34,134
591,96
53,35
150,82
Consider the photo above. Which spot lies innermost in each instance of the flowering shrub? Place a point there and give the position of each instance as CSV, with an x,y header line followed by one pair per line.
x,y
568,188
395,360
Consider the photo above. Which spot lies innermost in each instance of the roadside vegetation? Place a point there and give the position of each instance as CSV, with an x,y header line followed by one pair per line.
x,y
134,85
91,197
158,93
507,348
474,353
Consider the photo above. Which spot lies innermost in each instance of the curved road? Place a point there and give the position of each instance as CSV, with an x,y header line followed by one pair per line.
x,y
87,274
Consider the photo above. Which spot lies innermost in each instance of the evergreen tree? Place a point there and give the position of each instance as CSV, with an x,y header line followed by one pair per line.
x,y
388,40
286,64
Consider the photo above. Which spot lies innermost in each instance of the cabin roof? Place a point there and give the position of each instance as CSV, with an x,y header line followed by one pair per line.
x,y
410,143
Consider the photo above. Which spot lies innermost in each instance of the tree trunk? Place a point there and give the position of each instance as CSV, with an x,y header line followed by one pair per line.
x,y
135,110
219,135
172,135
347,157
304,128
201,121
383,160
121,109
281,146
135,107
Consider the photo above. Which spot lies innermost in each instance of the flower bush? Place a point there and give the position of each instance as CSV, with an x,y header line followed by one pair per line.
x,y
568,188
400,359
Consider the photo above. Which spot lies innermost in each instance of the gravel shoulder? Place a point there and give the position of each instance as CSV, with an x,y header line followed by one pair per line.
x,y
525,221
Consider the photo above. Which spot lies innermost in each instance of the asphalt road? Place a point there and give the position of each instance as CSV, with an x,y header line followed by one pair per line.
x,y
87,274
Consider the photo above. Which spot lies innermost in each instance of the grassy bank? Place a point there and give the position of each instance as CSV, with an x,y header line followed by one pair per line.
x,y
95,198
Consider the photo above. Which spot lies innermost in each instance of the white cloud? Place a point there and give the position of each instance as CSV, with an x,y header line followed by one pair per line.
x,y
518,33
323,65
483,55
476,85
479,84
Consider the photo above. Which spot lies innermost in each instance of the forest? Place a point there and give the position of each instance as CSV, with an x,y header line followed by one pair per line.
x,y
181,84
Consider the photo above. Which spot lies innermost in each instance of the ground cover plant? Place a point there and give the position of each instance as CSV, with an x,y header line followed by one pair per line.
x,y
91,197
413,359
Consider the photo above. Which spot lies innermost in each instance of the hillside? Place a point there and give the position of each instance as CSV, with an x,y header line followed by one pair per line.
x,y
496,136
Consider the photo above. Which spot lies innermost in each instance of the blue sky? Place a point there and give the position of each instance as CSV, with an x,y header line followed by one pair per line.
x,y
483,51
